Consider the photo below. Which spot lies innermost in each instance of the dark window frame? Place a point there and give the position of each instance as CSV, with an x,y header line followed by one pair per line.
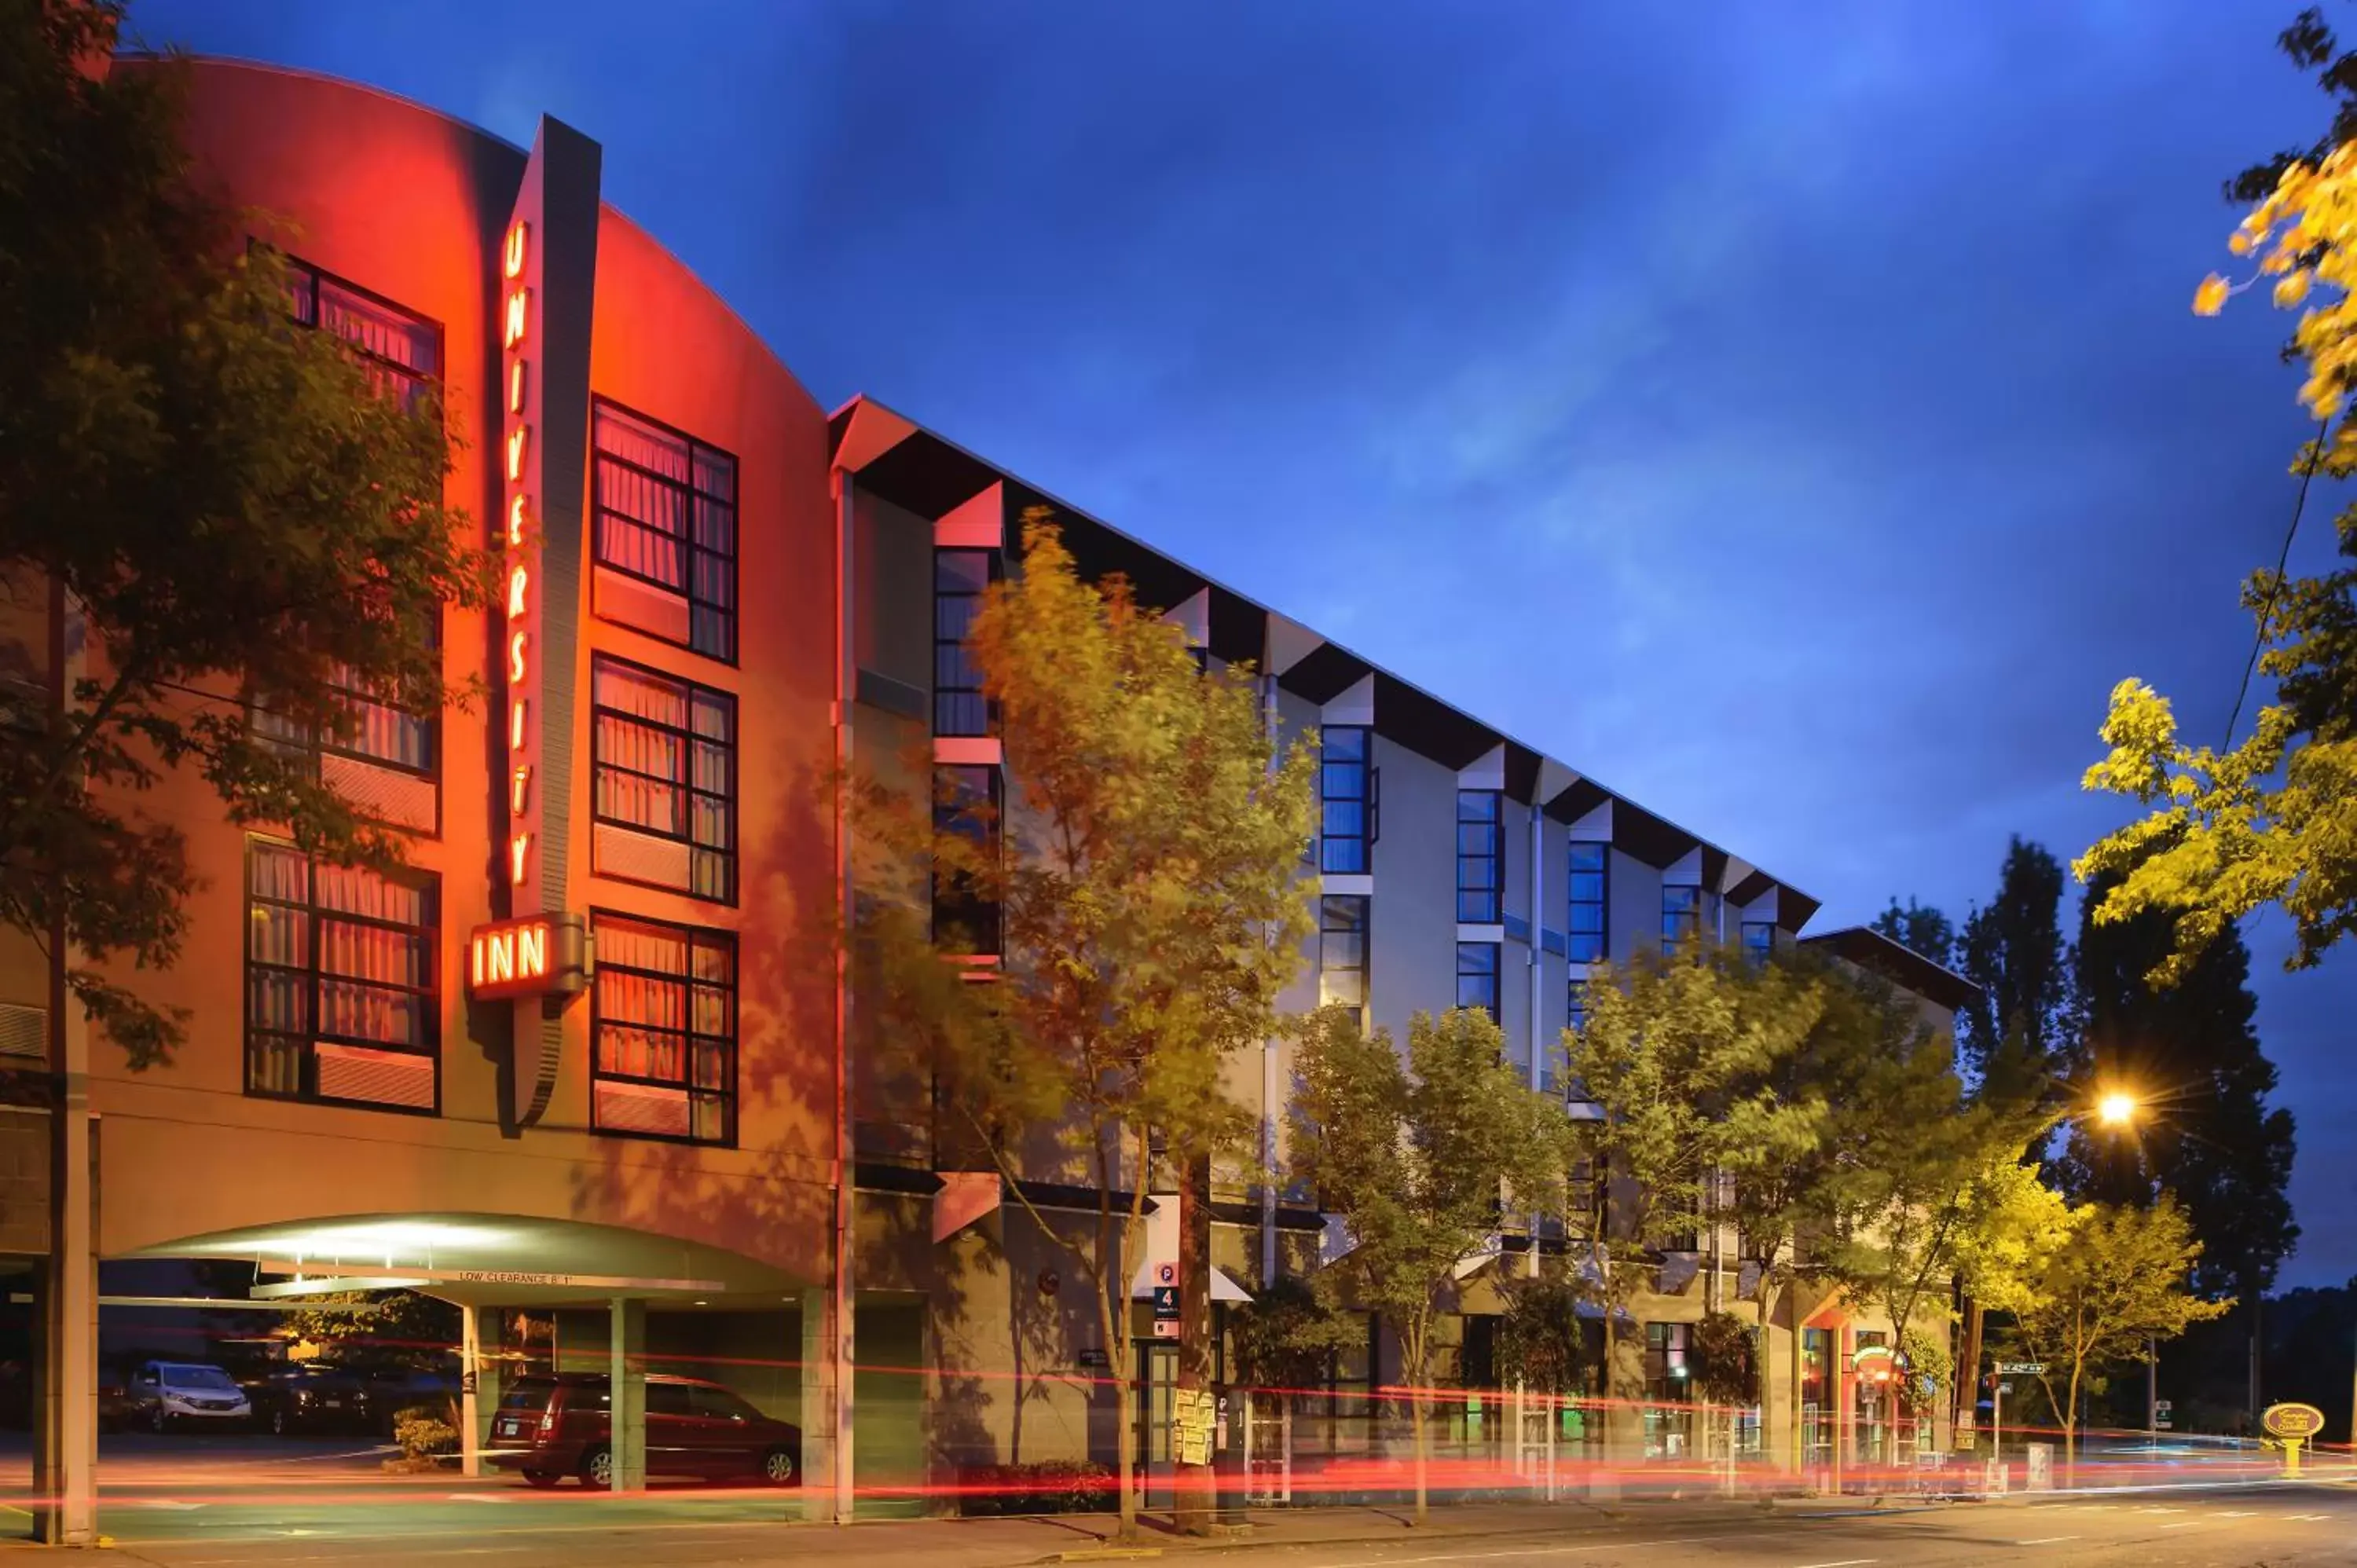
x,y
984,913
310,277
1478,905
1764,945
716,937
1577,941
1681,920
1361,770
688,545
309,1040
1364,930
1494,974
689,739
313,275
961,711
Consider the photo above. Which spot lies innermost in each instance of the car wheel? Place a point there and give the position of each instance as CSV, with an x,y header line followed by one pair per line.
x,y
541,1480
278,1421
160,1421
598,1469
779,1468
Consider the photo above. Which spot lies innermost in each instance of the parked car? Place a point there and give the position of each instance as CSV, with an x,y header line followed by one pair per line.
x,y
115,1409
307,1397
163,1394
549,1427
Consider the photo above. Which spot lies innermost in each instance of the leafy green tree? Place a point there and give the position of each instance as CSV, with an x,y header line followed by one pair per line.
x,y
1906,1153
1288,1335
2114,1279
396,1329
1419,1159
218,501
1723,1370
1284,1341
2207,1136
1920,927
1541,1342
2271,819
2017,1035
1144,945
1688,1060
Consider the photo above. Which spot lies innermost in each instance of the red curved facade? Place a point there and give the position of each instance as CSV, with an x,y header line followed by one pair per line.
x,y
692,1089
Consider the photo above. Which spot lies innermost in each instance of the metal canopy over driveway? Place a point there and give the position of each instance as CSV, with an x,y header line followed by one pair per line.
x,y
485,1260
488,1261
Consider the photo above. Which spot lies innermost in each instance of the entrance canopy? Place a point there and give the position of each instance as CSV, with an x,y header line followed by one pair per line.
x,y
489,1260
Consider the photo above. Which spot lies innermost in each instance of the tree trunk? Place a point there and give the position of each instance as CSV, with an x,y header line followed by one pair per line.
x,y
1192,1497
2071,1428
1413,1345
1968,1374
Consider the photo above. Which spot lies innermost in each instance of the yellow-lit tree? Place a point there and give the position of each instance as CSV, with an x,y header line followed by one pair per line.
x,y
2272,819
1143,870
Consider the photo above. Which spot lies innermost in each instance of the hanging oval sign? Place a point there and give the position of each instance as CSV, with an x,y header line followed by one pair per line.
x,y
2292,1420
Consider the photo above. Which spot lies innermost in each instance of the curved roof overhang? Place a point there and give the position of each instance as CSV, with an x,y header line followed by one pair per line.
x,y
487,1260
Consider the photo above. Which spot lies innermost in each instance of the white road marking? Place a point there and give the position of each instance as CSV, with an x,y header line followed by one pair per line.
x,y
474,1497
2238,1513
2048,1540
1843,1562
2182,1524
2307,1518
162,1503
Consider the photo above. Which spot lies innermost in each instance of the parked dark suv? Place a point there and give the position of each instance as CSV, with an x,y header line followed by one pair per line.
x,y
308,1396
547,1428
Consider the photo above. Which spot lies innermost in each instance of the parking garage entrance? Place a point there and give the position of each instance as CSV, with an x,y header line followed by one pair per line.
x,y
598,1305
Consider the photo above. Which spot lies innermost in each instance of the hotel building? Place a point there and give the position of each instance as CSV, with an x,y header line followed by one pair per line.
x,y
588,1058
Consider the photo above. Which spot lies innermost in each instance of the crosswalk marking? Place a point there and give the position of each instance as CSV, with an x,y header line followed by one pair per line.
x,y
2048,1540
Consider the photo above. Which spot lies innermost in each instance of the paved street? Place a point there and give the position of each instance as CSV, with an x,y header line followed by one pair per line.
x,y
218,1501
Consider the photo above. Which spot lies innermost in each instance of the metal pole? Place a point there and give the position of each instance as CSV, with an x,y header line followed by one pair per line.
x,y
2152,1392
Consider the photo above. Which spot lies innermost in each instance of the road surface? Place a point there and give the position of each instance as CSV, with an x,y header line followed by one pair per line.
x,y
223,1502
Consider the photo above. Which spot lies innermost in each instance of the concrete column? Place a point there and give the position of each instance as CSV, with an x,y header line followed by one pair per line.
x,y
65,1436
627,1353
478,1384
827,1491
65,1425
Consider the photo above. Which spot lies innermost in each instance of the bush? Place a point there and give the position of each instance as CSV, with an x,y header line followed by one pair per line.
x,y
1056,1486
421,1433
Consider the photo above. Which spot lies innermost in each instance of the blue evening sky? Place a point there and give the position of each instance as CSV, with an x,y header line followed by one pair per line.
x,y
1789,411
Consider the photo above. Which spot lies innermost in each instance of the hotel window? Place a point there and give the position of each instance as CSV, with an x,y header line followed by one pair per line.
x,y
339,983
1481,857
664,793
384,763
1343,950
961,577
967,803
666,510
1349,806
401,351
1477,977
1667,1374
663,1029
1591,881
1759,939
1681,919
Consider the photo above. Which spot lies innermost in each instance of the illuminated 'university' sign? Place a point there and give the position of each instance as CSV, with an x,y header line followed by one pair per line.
x,y
520,540
535,955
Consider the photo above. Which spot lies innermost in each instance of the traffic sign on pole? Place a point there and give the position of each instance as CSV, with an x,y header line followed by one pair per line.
x,y
2020,1369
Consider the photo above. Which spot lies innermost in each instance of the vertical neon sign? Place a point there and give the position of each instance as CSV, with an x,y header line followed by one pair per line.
x,y
518,541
